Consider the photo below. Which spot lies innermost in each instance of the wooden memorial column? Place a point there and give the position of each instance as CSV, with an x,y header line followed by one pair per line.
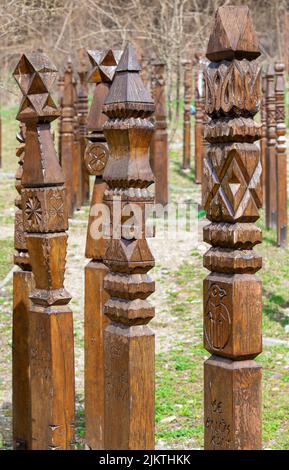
x,y
45,221
82,118
232,195
264,134
281,156
271,174
128,341
76,159
188,77
60,83
103,69
159,144
22,286
199,104
67,138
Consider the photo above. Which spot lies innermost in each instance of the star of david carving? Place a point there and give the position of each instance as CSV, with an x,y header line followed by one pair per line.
x,y
232,189
35,75
103,64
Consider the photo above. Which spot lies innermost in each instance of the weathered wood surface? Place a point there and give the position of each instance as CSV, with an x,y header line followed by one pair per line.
x,y
271,174
232,197
60,84
67,138
281,156
22,287
82,120
102,72
128,341
45,220
159,143
199,118
188,78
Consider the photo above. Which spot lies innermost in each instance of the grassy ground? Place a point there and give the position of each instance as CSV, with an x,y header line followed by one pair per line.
x,y
178,323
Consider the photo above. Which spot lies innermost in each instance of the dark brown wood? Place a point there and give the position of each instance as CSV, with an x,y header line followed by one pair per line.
x,y
188,77
159,143
232,197
22,286
67,138
199,118
128,341
271,175
76,159
82,119
281,156
45,220
263,141
60,83
102,72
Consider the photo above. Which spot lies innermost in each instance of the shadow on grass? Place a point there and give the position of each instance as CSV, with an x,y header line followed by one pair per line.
x,y
274,306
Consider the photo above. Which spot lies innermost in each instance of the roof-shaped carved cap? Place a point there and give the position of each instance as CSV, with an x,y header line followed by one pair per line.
x,y
35,75
233,35
128,90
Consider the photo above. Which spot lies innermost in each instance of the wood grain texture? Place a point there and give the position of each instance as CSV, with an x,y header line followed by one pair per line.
x,y
232,402
263,142
188,78
23,284
82,121
232,197
281,156
96,155
159,143
44,222
128,342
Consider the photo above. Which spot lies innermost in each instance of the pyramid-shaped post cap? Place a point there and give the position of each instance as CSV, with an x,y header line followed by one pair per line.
x,y
233,35
127,87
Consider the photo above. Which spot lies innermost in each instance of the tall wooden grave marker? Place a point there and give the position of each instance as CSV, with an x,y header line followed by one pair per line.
x,y
199,127
232,195
271,174
67,137
264,134
22,287
45,221
102,72
188,77
159,144
128,341
281,156
82,118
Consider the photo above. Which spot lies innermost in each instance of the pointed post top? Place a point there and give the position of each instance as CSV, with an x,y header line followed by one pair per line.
x,y
233,35
103,64
128,90
128,61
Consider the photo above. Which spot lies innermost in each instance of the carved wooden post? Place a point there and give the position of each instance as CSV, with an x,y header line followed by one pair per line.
x,y
76,159
188,77
281,156
0,139
45,221
60,83
264,134
82,118
232,194
128,342
271,174
103,68
199,104
22,287
159,144
67,138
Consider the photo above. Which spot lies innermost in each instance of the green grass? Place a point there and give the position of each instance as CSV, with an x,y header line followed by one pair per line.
x,y
6,256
